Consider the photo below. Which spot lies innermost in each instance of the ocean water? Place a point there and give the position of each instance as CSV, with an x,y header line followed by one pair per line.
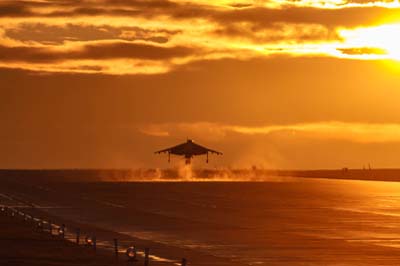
x,y
290,221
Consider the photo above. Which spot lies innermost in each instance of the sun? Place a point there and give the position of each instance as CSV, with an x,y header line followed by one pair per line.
x,y
384,37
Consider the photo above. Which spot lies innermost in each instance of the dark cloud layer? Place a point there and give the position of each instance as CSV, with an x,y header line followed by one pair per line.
x,y
54,34
14,10
349,17
278,33
346,16
96,51
363,51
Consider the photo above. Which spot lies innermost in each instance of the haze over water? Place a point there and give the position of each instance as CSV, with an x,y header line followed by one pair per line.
x,y
297,221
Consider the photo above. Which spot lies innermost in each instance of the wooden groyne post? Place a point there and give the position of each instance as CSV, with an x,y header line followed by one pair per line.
x,y
94,243
78,235
146,256
51,228
116,247
61,231
184,262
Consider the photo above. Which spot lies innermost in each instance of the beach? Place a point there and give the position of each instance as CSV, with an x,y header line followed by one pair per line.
x,y
23,243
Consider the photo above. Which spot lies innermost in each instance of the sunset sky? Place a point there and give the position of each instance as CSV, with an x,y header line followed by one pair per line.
x,y
290,84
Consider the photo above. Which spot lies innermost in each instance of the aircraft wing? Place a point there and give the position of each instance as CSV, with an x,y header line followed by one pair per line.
x,y
188,148
198,149
215,152
162,151
170,150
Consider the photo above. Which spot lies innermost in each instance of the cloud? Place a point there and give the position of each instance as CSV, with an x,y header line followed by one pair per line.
x,y
157,36
14,9
57,34
277,33
363,51
348,131
84,8
154,130
344,17
298,12
95,51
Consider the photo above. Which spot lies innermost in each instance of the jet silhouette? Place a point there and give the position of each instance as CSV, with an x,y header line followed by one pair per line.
x,y
188,150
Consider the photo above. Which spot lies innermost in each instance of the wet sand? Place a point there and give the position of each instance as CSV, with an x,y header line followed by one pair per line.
x,y
21,243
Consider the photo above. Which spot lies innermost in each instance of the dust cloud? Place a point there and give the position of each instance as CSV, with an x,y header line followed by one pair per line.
x,y
187,173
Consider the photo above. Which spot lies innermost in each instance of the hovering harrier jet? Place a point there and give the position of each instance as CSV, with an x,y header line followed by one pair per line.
x,y
188,149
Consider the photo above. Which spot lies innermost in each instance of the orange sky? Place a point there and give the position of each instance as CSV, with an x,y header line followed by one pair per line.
x,y
278,84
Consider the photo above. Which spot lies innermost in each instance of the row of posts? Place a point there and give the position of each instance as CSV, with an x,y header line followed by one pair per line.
x,y
89,240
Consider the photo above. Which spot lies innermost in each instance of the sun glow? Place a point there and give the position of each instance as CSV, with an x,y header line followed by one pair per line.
x,y
383,37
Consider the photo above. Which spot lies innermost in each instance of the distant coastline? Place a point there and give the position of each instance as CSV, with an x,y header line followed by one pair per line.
x,y
94,175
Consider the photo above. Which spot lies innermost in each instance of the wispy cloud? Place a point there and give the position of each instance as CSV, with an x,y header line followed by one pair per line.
x,y
347,131
99,51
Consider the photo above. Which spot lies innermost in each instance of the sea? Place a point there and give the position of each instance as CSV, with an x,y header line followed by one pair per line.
x,y
277,221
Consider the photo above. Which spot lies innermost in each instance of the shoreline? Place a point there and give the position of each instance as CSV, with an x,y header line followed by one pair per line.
x,y
22,229
22,242
196,175
160,253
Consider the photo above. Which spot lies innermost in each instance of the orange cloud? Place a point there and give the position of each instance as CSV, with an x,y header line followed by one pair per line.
x,y
58,34
99,51
363,51
131,37
353,132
